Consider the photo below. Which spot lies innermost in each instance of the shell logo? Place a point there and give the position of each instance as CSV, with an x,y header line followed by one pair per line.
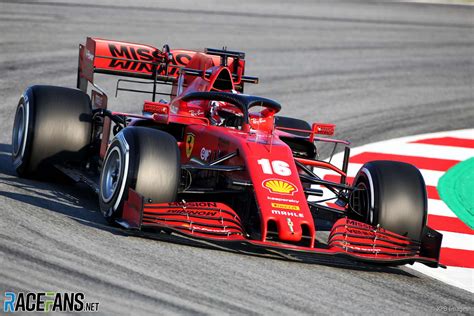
x,y
279,186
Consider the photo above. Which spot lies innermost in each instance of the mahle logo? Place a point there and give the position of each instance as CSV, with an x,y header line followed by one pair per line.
x,y
47,302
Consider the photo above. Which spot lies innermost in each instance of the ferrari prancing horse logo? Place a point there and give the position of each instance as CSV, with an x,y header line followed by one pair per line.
x,y
189,144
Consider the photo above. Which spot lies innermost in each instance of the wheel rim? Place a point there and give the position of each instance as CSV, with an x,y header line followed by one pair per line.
x,y
111,175
19,129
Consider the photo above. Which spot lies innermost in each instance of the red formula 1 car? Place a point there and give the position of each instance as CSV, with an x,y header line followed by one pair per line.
x,y
216,164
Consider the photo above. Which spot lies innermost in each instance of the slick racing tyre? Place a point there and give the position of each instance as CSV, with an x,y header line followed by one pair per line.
x,y
289,122
300,146
141,158
393,195
52,125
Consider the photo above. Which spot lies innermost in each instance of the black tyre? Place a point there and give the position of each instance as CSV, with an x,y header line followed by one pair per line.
x,y
141,158
289,122
52,124
393,195
300,146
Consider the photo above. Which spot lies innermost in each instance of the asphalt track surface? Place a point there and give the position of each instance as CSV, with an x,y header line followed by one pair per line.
x,y
377,70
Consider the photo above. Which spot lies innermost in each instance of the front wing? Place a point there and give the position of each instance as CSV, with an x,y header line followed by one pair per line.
x,y
218,223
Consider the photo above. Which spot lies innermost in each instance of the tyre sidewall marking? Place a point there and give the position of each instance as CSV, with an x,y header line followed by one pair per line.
x,y
125,154
367,174
118,150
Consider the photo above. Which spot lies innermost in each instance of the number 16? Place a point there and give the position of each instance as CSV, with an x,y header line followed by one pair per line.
x,y
276,166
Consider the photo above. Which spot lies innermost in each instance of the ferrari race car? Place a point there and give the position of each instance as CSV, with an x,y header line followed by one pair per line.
x,y
215,164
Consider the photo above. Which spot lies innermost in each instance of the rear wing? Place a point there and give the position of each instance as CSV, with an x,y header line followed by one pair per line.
x,y
128,60
147,62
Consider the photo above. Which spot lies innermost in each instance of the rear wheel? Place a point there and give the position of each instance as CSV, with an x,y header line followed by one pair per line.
x,y
143,159
393,195
52,124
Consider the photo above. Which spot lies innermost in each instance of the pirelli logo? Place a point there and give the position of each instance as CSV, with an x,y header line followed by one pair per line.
x,y
286,206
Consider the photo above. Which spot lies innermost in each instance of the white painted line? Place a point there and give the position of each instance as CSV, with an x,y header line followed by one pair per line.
x,y
459,277
429,151
466,133
457,241
438,207
431,177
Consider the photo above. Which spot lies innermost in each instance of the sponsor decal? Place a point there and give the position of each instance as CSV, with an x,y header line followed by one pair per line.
x,y
272,198
370,250
287,213
47,302
286,206
189,144
212,230
192,204
360,232
324,129
205,154
132,57
155,108
192,212
360,228
278,186
359,224
259,120
195,112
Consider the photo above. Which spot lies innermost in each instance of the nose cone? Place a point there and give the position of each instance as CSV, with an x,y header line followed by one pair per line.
x,y
288,225
292,231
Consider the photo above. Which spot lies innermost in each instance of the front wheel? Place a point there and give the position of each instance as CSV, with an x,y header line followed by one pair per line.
x,y
143,159
393,195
